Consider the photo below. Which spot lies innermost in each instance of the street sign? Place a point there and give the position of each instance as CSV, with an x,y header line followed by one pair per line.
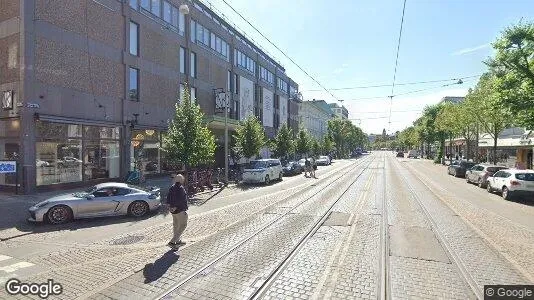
x,y
8,166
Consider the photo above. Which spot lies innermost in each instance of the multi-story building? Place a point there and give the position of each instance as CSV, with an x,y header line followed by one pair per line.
x,y
89,86
314,116
339,111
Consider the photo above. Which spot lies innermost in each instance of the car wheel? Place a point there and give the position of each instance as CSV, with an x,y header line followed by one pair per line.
x,y
506,194
267,180
59,214
138,209
480,183
455,173
467,179
488,188
280,176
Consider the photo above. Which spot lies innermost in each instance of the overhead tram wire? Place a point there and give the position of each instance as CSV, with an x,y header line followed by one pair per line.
x,y
397,84
281,51
396,64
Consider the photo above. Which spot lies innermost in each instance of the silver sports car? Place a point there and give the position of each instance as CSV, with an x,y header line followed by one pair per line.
x,y
106,199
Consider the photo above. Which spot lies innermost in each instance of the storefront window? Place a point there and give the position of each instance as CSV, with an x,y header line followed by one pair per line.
x,y
101,159
59,161
61,158
9,146
145,151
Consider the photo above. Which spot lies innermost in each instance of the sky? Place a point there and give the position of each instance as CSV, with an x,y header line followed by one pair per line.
x,y
353,43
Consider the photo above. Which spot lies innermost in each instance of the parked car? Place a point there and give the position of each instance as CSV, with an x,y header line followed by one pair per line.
x,y
512,182
69,161
323,161
400,154
263,170
479,174
412,154
459,168
106,199
293,168
41,163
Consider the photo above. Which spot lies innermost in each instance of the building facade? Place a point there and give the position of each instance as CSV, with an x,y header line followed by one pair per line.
x,y
93,84
339,111
514,148
314,117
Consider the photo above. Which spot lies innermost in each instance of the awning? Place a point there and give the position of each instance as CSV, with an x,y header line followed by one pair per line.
x,y
216,122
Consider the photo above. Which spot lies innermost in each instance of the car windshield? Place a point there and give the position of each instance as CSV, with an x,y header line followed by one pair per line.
x,y
525,176
86,192
257,164
290,164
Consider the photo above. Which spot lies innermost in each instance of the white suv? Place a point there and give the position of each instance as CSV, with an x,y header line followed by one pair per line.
x,y
512,182
263,170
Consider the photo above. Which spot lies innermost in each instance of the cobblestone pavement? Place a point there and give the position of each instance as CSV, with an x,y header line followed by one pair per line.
x,y
441,244
86,267
479,262
512,239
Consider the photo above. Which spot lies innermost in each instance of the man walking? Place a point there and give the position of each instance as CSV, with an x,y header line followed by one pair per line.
x,y
307,165
312,167
177,202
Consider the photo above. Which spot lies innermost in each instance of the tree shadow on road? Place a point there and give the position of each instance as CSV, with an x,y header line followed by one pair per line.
x,y
154,271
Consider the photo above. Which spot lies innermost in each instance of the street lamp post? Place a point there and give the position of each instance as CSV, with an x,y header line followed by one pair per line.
x,y
221,101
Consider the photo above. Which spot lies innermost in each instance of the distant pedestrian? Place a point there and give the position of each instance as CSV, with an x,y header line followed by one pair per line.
x,y
312,168
177,202
307,167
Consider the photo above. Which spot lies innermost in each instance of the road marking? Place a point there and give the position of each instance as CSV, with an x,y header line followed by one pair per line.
x,y
17,266
4,257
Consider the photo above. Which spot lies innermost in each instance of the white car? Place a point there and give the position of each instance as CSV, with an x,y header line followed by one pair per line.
x,y
412,154
512,182
323,161
263,170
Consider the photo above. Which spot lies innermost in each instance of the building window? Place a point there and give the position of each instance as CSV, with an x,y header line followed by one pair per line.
x,y
193,94
155,9
134,84
193,65
245,62
134,39
182,60
133,4
145,4
266,75
193,30
167,12
282,85
182,92
181,23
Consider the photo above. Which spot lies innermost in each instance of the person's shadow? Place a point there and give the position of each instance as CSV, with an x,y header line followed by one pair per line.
x,y
155,270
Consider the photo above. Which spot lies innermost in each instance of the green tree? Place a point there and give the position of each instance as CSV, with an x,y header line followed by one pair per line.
x,y
315,147
303,142
250,137
513,67
335,131
282,145
491,113
188,141
327,145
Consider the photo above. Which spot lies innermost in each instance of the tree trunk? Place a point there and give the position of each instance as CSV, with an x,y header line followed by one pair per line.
x,y
468,140
476,146
495,149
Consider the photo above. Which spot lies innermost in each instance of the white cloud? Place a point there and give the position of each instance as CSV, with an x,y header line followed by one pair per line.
x,y
470,50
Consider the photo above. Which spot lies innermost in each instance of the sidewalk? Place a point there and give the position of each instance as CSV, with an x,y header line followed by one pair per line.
x,y
14,208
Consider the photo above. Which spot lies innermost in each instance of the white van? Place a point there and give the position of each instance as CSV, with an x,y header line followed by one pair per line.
x,y
412,154
263,170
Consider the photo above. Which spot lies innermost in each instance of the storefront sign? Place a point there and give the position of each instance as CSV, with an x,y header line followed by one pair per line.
x,y
33,105
8,167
